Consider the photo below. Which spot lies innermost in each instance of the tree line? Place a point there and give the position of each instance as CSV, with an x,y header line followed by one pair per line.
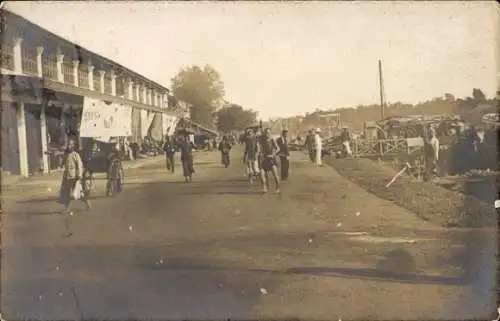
x,y
469,108
203,90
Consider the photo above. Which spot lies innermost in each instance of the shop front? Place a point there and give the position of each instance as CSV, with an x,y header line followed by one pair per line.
x,y
63,112
21,101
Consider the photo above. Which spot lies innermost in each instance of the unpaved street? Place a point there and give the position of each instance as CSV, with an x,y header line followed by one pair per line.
x,y
217,248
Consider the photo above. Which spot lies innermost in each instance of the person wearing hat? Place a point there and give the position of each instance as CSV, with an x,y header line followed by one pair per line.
x,y
284,154
318,148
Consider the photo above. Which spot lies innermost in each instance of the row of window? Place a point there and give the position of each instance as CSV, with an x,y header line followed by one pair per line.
x,y
49,70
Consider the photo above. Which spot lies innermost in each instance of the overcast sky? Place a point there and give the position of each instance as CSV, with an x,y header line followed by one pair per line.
x,y
283,59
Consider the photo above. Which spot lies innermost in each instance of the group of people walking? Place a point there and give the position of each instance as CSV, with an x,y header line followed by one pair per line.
x,y
314,145
260,155
185,146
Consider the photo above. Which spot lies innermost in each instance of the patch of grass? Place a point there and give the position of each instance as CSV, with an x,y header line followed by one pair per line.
x,y
428,201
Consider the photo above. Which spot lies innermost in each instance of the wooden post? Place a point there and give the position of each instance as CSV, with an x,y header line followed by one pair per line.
x,y
381,84
43,132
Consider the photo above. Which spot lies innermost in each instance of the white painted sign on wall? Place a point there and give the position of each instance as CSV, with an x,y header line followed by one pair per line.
x,y
169,124
146,121
100,119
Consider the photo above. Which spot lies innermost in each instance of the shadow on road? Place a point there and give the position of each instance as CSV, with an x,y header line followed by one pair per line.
x,y
42,213
375,274
210,192
53,199
357,273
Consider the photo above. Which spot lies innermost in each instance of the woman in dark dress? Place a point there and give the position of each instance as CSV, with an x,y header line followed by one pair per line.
x,y
225,149
186,148
115,172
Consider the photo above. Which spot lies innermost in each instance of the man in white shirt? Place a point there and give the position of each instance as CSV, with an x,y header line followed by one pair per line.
x,y
431,154
318,147
346,141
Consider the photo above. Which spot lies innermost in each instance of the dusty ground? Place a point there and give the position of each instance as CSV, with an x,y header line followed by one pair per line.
x,y
216,248
425,199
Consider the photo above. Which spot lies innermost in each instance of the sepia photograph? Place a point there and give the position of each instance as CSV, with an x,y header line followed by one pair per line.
x,y
249,160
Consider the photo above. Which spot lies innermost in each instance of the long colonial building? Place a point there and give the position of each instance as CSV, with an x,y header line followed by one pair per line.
x,y
45,80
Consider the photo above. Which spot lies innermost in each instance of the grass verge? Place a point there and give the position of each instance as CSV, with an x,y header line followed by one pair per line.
x,y
428,201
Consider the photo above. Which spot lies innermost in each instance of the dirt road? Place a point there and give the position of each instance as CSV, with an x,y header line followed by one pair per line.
x,y
218,248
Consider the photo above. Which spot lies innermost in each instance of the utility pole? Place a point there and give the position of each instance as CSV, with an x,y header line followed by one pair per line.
x,y
381,85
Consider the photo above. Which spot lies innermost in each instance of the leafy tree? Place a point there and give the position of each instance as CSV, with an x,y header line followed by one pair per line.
x,y
235,117
449,97
478,95
202,88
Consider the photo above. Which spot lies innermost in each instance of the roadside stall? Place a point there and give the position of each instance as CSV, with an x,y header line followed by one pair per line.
x,y
104,125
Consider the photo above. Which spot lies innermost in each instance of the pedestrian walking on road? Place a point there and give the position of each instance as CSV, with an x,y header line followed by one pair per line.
x,y
225,149
186,147
318,148
250,154
345,136
269,149
431,152
169,148
115,172
309,144
284,154
71,180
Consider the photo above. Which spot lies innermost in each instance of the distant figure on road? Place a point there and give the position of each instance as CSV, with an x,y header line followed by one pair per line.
x,y
169,149
250,155
431,154
269,148
73,173
186,147
284,154
346,141
309,144
115,172
225,149
318,148
480,145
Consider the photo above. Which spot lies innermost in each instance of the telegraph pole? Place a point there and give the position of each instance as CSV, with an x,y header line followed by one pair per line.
x,y
381,84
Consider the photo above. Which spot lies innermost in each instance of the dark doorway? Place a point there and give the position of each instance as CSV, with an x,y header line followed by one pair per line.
x,y
10,142
33,138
